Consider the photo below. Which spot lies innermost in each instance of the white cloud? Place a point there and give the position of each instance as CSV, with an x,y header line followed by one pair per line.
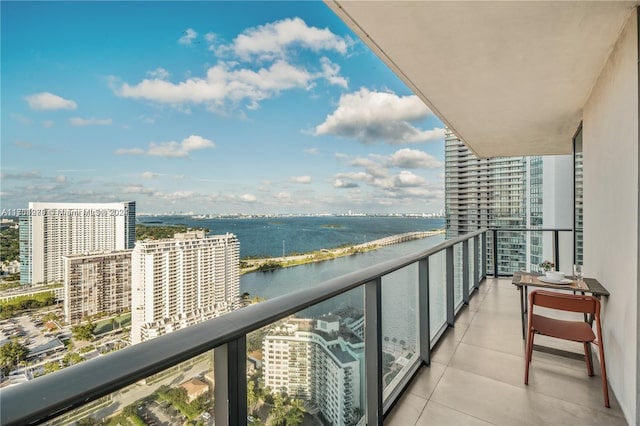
x,y
47,124
171,149
339,183
414,159
222,84
406,178
61,178
312,151
272,40
330,71
130,151
300,179
22,175
149,175
360,176
239,80
379,116
159,73
49,101
248,198
283,196
77,121
188,37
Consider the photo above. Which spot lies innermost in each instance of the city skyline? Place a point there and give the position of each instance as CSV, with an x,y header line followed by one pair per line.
x,y
253,108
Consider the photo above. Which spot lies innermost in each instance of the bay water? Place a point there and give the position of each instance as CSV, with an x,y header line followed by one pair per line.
x,y
265,237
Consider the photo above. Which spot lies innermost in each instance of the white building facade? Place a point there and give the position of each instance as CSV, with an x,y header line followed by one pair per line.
x,y
318,362
182,281
96,283
50,230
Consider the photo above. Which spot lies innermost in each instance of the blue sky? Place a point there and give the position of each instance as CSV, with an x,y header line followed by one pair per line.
x,y
209,107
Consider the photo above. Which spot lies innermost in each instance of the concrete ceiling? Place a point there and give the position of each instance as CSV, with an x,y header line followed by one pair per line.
x,y
509,78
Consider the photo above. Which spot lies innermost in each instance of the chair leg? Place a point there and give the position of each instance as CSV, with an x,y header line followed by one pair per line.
x,y
587,359
603,366
529,353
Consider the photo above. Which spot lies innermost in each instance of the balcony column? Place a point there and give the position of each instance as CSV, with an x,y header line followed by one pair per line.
x,y
495,253
476,261
450,268
484,255
230,373
373,351
465,272
423,311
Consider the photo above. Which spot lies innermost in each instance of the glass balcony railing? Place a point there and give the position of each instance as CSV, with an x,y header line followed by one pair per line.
x,y
341,352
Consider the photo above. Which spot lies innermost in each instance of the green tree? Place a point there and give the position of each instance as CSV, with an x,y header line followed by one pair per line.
x,y
51,366
295,413
84,332
50,316
88,421
9,245
11,354
72,358
279,411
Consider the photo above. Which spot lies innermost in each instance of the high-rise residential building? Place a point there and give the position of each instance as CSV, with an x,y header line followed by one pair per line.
x,y
50,230
96,283
182,281
318,361
508,193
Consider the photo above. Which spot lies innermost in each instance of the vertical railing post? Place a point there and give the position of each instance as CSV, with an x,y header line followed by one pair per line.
x,y
423,310
556,251
230,373
450,286
476,261
373,351
484,254
495,253
465,271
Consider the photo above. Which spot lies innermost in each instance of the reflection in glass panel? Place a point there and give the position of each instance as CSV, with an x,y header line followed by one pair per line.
x,y
472,280
437,292
480,256
400,338
578,191
309,367
180,394
457,274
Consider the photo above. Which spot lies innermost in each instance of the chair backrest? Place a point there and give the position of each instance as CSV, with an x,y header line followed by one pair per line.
x,y
565,302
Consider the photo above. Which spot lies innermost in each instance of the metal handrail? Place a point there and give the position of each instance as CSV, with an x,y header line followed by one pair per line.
x,y
59,392
556,248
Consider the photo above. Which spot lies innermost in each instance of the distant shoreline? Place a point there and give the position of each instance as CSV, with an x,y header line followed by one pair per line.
x,y
272,263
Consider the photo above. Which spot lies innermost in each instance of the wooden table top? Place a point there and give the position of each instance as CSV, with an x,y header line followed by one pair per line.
x,y
531,279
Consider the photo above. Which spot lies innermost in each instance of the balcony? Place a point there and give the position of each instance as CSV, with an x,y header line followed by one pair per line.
x,y
453,351
476,375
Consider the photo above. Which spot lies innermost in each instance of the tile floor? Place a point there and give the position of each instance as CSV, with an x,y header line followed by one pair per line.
x,y
476,375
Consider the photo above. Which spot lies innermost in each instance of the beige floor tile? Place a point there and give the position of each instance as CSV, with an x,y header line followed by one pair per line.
x,y
436,414
447,346
426,380
407,410
509,341
504,404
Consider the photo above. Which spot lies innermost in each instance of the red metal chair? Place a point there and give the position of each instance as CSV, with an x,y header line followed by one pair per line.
x,y
577,331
